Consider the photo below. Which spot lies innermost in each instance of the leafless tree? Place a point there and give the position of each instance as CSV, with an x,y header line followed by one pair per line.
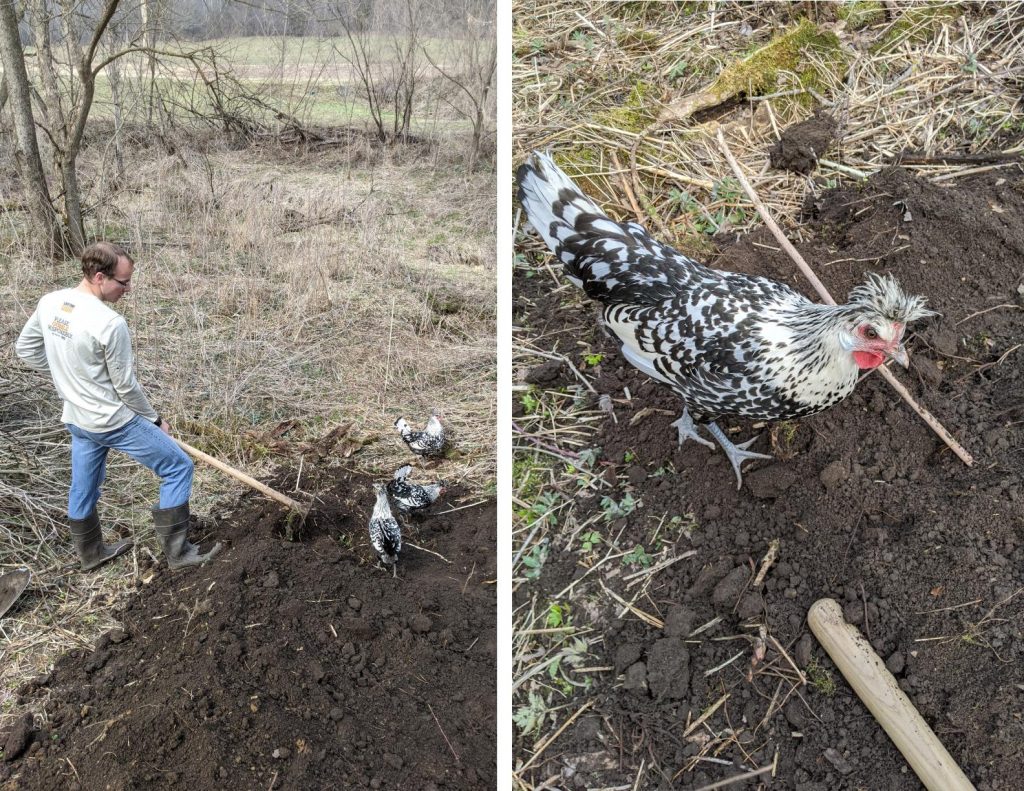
x,y
384,48
30,164
469,64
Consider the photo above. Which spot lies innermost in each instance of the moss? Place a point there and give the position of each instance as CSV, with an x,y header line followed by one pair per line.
x,y
642,40
860,13
577,162
636,113
759,72
918,23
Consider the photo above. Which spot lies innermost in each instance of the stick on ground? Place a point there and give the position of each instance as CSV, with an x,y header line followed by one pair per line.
x,y
826,297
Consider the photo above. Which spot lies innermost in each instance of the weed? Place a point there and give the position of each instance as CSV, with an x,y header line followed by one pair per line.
x,y
617,510
534,561
684,524
593,359
558,615
589,540
638,557
530,717
821,679
530,402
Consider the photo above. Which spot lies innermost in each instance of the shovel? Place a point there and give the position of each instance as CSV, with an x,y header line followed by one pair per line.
x,y
12,585
297,507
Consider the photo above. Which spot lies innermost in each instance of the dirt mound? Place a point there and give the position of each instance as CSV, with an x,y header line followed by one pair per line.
x,y
802,145
868,507
289,664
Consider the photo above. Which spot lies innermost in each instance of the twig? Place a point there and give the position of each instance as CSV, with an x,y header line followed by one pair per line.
x,y
424,549
568,454
737,778
457,758
788,658
460,508
628,190
766,562
826,297
559,357
986,310
724,664
707,713
547,742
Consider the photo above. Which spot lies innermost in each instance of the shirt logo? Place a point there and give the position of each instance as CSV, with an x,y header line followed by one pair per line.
x,y
60,328
67,307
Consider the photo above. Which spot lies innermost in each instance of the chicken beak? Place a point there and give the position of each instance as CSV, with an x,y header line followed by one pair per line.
x,y
899,354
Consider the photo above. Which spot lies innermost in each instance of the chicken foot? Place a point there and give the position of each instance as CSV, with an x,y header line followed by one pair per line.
x,y
737,454
688,430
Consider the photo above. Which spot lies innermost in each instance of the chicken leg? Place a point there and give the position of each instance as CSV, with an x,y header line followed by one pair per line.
x,y
688,430
737,454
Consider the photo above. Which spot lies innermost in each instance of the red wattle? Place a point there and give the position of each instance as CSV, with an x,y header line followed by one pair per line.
x,y
867,360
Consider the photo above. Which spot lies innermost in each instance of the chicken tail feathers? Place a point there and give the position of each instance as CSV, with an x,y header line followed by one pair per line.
x,y
403,472
611,261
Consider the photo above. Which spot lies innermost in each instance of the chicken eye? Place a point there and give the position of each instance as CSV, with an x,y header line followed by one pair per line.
x,y
871,333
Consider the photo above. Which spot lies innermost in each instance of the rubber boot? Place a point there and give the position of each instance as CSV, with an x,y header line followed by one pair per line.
x,y
171,528
88,541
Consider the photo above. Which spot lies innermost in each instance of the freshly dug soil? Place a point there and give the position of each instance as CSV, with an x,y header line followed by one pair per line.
x,y
289,664
925,554
802,145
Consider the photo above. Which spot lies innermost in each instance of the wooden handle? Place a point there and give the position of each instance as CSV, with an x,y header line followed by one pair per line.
x,y
876,687
241,476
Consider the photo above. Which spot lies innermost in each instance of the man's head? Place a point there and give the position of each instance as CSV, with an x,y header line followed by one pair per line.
x,y
108,270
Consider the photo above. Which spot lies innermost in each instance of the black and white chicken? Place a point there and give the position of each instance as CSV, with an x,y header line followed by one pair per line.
x,y
727,343
430,441
412,497
385,532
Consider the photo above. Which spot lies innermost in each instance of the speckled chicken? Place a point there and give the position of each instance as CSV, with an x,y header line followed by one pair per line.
x,y
728,343
430,442
410,497
385,532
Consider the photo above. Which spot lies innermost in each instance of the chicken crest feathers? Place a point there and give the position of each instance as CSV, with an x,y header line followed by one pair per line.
x,y
883,295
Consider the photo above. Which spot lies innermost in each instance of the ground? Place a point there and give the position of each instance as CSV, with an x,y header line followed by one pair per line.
x,y
285,664
867,505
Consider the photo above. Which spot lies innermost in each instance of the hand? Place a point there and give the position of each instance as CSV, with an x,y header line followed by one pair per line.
x,y
164,427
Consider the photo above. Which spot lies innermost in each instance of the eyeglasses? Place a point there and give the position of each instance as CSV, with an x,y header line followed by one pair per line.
x,y
122,283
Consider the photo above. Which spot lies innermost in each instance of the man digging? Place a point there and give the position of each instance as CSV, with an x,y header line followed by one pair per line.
x,y
86,347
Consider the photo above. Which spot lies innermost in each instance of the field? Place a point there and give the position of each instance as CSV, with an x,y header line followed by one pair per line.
x,y
290,301
660,614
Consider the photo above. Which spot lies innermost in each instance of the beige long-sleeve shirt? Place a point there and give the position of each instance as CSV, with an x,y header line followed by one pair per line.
x,y
87,349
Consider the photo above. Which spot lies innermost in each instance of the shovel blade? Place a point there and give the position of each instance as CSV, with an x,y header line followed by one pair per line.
x,y
12,585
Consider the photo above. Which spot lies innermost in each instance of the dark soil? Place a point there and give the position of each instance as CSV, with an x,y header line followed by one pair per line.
x,y
925,554
288,664
802,145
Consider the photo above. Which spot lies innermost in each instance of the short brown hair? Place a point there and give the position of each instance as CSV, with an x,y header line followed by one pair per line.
x,y
102,257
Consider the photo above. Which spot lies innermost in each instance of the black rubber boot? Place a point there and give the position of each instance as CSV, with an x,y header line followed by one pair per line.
x,y
172,527
88,541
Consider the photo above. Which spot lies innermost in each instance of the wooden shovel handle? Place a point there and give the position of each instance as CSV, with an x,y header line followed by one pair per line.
x,y
241,476
878,690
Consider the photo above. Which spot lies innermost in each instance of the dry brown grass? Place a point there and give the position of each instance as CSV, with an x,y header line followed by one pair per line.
x,y
271,285
590,80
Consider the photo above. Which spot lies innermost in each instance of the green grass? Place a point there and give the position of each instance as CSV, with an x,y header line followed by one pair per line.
x,y
275,50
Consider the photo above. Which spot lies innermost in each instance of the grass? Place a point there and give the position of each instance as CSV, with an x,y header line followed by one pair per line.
x,y
273,287
588,77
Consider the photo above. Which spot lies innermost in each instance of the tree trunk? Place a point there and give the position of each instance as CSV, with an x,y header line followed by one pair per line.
x,y
30,165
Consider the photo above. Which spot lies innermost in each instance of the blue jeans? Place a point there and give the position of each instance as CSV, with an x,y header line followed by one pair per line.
x,y
141,440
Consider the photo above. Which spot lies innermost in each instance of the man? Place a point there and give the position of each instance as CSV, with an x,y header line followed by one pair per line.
x,y
87,349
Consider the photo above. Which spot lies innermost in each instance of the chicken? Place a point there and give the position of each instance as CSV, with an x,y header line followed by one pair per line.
x,y
727,343
430,442
412,497
385,532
